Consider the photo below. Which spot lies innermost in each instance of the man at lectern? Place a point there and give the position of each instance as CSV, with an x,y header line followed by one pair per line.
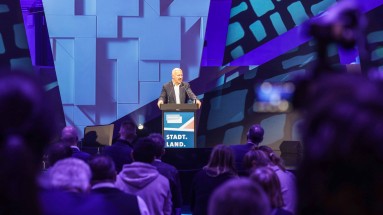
x,y
177,91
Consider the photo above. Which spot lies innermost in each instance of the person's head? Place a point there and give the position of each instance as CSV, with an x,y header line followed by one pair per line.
x,y
144,151
58,151
159,143
254,159
70,174
128,130
69,135
221,159
255,134
177,76
274,158
25,130
342,170
237,197
103,169
269,181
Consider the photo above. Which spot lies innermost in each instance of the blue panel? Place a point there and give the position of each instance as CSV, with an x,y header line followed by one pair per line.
x,y
238,51
224,110
2,47
277,21
4,8
298,60
166,71
239,9
85,71
107,26
149,71
297,12
232,135
258,30
71,26
23,63
68,113
239,33
64,63
275,127
189,8
20,36
149,91
118,7
261,7
59,7
377,54
84,115
375,37
321,6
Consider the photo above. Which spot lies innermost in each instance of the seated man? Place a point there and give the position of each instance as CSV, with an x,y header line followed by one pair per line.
x,y
103,178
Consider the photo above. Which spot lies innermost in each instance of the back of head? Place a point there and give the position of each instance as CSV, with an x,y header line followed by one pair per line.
x,y
24,133
255,158
221,159
70,174
144,150
237,197
269,181
274,158
58,151
255,134
103,169
69,135
159,143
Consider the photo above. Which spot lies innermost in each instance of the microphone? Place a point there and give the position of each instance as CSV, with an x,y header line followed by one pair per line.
x,y
187,92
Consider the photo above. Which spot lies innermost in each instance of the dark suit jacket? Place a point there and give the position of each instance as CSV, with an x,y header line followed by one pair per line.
x,y
76,153
239,152
169,96
120,152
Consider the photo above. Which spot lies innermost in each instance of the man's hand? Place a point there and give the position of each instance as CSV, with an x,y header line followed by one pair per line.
x,y
159,103
198,102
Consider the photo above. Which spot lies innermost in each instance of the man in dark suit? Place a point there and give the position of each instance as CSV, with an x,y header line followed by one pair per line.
x,y
177,91
69,136
254,137
121,150
103,178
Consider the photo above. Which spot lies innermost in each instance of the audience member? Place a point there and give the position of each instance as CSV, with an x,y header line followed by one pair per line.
x,y
257,158
219,169
169,171
143,179
25,130
103,178
274,158
69,136
238,197
342,170
254,137
269,181
121,150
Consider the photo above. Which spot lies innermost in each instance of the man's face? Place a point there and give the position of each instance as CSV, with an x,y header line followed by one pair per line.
x,y
128,132
177,76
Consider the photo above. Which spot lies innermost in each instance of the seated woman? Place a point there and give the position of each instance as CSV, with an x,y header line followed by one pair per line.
x,y
219,169
269,181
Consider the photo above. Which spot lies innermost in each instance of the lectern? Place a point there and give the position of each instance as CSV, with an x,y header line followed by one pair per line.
x,y
178,125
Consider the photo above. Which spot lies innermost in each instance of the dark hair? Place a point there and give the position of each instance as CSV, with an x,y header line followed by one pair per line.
x,y
238,197
255,134
57,151
269,181
144,150
159,143
257,156
24,133
129,123
274,158
221,160
103,168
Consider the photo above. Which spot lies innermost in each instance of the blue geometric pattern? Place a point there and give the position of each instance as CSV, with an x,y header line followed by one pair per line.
x,y
112,56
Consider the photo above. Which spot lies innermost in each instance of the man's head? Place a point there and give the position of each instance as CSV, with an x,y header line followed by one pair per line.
x,y
144,150
159,144
103,169
128,131
255,134
177,76
69,135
